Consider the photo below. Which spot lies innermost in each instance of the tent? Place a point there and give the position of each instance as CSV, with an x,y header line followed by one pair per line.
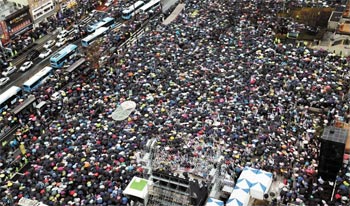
x,y
263,185
244,183
138,187
214,202
123,111
250,174
258,190
239,197
264,178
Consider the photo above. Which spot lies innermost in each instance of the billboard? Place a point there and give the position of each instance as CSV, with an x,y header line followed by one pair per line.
x,y
18,21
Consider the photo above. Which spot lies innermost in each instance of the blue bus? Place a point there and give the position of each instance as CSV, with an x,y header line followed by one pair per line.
x,y
38,79
151,6
9,97
132,10
92,37
61,57
108,22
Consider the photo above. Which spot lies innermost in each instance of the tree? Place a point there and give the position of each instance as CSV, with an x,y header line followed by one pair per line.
x,y
93,54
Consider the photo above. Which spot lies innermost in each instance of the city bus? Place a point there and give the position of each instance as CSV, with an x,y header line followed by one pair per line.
x,y
107,22
9,97
150,6
92,37
38,79
132,10
61,57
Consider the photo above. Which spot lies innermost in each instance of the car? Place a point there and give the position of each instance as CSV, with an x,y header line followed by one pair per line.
x,y
9,70
4,80
32,55
92,13
72,38
49,44
45,53
61,42
26,65
103,59
62,34
57,95
109,2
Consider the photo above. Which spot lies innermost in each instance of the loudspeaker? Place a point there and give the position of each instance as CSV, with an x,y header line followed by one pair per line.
x,y
331,153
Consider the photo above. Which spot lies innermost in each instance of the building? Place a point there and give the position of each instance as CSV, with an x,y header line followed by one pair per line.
x,y
14,21
41,9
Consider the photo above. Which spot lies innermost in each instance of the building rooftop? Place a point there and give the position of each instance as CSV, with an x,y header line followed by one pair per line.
x,y
335,134
336,16
6,9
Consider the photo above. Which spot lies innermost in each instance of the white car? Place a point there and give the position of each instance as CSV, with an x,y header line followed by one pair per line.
x,y
49,44
9,70
45,53
26,65
4,80
57,95
109,2
62,34
61,42
92,13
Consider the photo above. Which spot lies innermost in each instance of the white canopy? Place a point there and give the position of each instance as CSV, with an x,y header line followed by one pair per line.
x,y
263,185
239,197
244,183
123,111
250,174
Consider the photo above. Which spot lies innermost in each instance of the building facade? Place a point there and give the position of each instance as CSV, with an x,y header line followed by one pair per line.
x,y
15,24
41,9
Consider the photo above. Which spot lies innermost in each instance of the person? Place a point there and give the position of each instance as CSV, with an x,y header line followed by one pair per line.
x,y
212,84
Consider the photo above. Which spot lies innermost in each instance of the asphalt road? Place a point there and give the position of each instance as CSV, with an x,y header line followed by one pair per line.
x,y
18,78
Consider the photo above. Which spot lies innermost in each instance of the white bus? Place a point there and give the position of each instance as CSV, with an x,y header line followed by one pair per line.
x,y
38,79
150,6
87,41
9,97
132,10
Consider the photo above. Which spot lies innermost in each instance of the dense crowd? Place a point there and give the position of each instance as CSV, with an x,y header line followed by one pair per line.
x,y
213,83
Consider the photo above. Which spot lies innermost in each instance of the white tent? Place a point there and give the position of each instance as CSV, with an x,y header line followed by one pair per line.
x,y
265,178
244,183
257,191
214,202
239,197
263,185
250,174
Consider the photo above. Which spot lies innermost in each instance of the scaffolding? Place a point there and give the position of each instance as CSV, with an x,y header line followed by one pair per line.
x,y
169,190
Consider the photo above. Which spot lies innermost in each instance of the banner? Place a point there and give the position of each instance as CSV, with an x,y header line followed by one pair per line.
x,y
18,21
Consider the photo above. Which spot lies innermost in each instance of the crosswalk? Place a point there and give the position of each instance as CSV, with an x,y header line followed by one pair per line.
x,y
136,36
86,20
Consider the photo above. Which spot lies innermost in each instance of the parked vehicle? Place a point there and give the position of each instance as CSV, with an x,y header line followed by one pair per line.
x,y
4,81
61,42
26,65
49,44
45,53
9,70
32,55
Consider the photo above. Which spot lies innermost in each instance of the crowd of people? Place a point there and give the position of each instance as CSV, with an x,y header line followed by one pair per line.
x,y
215,82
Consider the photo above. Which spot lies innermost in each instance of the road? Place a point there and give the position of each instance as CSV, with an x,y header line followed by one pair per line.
x,y
18,78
